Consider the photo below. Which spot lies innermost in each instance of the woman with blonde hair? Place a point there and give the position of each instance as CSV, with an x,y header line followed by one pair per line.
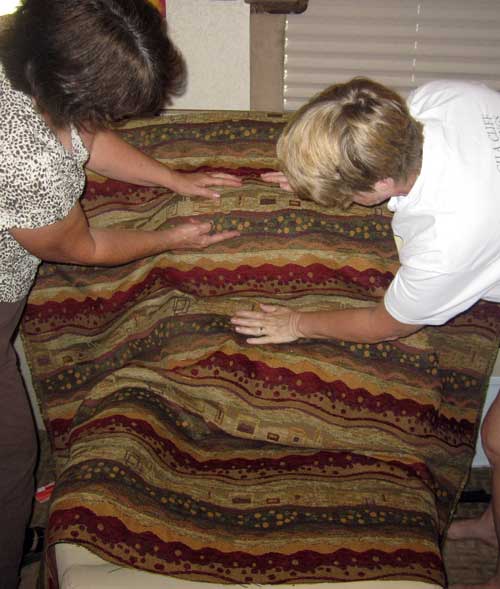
x,y
436,159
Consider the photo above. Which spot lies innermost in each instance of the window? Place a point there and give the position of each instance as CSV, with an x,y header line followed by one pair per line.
x,y
401,43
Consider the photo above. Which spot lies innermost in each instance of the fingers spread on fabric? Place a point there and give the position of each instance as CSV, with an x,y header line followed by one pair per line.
x,y
273,324
225,179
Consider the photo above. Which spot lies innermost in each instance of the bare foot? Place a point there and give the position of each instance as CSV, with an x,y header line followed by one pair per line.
x,y
480,528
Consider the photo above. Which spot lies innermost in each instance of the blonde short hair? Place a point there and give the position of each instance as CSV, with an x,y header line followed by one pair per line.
x,y
347,138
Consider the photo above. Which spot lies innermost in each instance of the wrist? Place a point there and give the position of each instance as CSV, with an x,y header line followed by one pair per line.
x,y
169,178
170,238
296,324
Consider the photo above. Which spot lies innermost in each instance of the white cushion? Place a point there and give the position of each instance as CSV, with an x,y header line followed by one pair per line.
x,y
78,568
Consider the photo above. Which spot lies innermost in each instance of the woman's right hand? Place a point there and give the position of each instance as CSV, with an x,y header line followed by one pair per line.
x,y
195,235
71,240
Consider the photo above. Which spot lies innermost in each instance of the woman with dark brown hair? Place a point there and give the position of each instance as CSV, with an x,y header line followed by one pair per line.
x,y
69,69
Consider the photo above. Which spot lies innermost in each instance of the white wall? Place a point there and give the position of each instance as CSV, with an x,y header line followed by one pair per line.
x,y
214,37
8,6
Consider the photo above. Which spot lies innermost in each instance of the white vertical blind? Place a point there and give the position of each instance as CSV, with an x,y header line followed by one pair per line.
x,y
401,43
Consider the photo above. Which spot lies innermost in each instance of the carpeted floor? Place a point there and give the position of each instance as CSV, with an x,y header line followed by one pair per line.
x,y
466,562
471,561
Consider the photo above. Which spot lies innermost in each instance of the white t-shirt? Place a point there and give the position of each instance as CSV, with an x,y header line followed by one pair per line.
x,y
449,222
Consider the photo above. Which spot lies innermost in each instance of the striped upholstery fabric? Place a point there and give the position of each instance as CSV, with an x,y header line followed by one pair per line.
x,y
184,451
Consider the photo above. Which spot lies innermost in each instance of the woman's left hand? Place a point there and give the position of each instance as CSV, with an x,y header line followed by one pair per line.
x,y
197,183
277,178
270,325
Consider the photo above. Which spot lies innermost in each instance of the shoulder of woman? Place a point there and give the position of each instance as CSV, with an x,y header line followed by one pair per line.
x,y
19,119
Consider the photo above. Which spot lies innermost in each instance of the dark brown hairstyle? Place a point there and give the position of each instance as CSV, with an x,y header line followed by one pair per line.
x,y
92,62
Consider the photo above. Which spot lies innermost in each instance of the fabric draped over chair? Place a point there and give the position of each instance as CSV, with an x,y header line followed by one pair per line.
x,y
184,451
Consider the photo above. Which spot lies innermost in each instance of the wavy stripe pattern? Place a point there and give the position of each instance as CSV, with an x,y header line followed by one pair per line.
x,y
184,451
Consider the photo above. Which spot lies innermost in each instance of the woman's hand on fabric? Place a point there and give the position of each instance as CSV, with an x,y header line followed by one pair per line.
x,y
271,325
114,158
198,183
195,235
277,178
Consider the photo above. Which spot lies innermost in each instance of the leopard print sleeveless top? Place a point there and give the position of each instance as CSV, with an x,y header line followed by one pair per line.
x,y
40,182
